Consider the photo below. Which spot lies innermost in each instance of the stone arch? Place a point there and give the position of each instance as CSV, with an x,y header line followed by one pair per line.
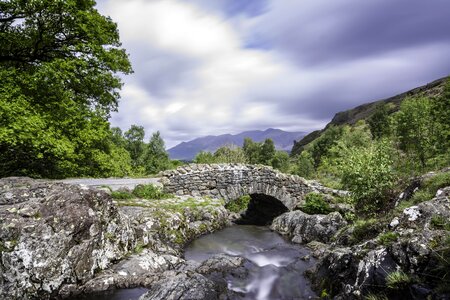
x,y
261,210
231,181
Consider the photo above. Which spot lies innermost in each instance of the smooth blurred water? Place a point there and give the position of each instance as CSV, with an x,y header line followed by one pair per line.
x,y
122,294
276,271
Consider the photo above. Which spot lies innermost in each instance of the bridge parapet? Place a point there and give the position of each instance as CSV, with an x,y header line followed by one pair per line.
x,y
231,181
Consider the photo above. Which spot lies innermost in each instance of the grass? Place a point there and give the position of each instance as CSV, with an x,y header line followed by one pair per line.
x,y
440,222
430,186
388,238
397,280
364,229
122,195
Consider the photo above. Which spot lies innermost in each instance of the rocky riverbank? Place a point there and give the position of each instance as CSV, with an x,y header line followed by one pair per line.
x,y
58,240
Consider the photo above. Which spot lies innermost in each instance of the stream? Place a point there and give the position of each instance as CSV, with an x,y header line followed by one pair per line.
x,y
276,271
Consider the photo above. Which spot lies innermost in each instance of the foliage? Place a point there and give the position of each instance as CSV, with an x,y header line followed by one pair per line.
x,y
252,151
397,280
58,66
239,204
364,229
387,238
304,165
122,195
440,222
414,129
135,145
379,122
430,186
156,158
230,154
280,161
315,204
320,146
368,174
149,191
204,157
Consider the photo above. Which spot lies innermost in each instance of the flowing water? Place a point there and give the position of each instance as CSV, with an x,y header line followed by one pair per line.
x,y
276,271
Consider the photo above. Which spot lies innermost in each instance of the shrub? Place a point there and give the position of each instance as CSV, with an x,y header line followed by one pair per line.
x,y
149,191
368,174
397,280
239,204
387,238
315,204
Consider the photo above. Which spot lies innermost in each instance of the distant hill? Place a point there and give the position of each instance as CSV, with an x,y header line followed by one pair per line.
x,y
187,150
364,111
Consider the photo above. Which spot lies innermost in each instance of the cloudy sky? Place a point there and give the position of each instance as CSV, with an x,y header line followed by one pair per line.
x,y
208,67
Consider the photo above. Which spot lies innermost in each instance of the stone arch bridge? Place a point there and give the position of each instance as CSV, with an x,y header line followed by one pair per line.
x,y
272,192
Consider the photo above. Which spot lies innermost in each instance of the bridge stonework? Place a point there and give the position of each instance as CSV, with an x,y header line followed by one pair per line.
x,y
231,181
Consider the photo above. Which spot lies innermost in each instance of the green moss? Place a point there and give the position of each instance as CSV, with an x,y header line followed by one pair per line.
x,y
109,236
388,238
239,204
139,248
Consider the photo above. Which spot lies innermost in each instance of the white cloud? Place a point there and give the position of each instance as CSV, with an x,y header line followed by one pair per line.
x,y
194,76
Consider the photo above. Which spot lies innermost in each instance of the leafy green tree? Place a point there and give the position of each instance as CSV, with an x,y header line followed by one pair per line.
x,y
117,137
267,152
281,161
415,128
230,154
204,157
304,165
156,158
135,144
252,151
441,115
368,174
58,68
379,122
321,145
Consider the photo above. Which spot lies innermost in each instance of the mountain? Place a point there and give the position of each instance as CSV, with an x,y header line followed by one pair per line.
x,y
364,111
187,150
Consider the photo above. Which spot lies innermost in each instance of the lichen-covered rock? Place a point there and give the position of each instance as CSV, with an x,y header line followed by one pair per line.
x,y
351,272
205,281
54,234
303,228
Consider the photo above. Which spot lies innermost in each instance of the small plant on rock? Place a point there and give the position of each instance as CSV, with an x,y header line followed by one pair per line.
x,y
387,238
239,204
149,191
315,204
397,280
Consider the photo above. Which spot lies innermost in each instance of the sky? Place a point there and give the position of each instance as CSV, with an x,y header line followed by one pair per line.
x,y
209,67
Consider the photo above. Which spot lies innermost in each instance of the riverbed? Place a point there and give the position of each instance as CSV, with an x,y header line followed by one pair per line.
x,y
276,266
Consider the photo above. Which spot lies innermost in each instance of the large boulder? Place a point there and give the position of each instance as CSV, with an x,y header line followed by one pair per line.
x,y
55,235
303,228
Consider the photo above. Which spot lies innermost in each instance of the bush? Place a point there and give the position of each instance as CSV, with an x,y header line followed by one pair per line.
x,y
315,204
149,191
239,204
368,174
123,195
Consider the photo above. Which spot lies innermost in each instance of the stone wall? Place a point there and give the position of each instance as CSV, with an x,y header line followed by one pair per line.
x,y
231,181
